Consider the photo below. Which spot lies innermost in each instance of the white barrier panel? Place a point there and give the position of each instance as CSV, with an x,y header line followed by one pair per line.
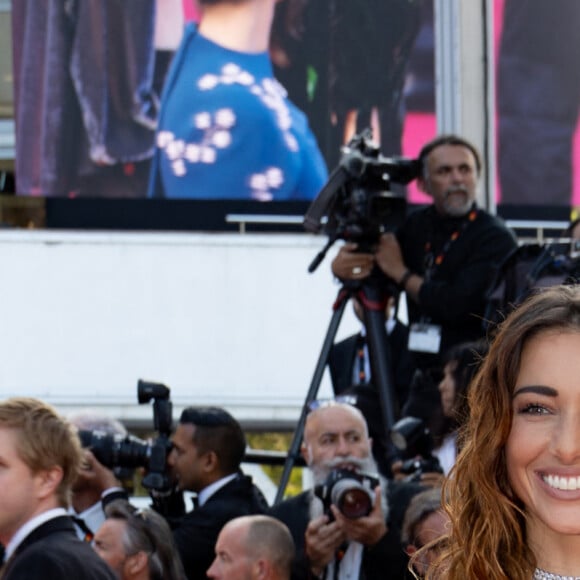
x,y
222,319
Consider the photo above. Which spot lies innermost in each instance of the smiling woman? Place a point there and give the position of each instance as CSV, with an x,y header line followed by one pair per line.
x,y
515,493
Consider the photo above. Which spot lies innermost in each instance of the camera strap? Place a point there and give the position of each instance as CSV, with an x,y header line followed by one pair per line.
x,y
347,562
433,262
423,335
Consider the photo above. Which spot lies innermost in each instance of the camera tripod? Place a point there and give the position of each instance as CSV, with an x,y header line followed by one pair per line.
x,y
373,298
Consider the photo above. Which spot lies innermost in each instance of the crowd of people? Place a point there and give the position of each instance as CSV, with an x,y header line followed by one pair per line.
x,y
506,508
491,495
490,486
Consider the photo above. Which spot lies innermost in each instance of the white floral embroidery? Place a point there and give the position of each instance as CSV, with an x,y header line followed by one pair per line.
x,y
164,138
179,167
274,177
222,139
193,153
258,181
202,121
207,82
225,118
217,129
208,155
261,184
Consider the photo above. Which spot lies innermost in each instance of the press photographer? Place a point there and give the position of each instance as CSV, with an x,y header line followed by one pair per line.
x,y
443,257
119,450
415,444
207,449
203,456
97,481
358,205
348,525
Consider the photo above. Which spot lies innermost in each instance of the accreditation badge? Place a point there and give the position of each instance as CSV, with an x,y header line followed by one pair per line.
x,y
424,337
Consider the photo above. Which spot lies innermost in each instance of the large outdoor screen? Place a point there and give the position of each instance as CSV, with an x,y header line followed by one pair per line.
x,y
102,114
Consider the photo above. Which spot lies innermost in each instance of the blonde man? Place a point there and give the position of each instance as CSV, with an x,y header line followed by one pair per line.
x,y
40,456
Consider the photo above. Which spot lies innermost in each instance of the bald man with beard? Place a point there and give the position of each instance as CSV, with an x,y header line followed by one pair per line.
x,y
336,436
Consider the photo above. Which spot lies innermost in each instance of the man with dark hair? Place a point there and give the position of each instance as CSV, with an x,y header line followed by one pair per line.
x,y
40,456
208,447
443,256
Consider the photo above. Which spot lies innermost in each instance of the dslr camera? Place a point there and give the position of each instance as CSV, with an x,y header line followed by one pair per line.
x,y
128,451
352,493
415,468
415,442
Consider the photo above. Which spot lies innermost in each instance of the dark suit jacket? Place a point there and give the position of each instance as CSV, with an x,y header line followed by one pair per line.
x,y
196,532
384,560
341,362
53,552
343,358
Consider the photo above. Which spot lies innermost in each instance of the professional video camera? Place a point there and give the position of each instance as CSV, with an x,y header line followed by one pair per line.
x,y
410,436
130,451
356,199
352,493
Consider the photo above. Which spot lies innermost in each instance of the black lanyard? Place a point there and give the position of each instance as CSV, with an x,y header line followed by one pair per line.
x,y
433,262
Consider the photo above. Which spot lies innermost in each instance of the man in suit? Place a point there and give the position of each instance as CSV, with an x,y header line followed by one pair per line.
x,y
208,447
40,456
328,542
349,362
254,547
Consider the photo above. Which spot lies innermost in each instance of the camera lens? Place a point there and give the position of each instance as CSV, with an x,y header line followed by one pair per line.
x,y
352,499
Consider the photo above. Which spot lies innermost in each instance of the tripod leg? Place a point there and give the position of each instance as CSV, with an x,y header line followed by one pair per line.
x,y
294,451
373,300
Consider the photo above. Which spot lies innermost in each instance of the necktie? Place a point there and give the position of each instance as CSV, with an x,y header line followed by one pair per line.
x,y
81,524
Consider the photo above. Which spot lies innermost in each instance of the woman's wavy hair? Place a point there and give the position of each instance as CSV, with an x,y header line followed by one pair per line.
x,y
487,537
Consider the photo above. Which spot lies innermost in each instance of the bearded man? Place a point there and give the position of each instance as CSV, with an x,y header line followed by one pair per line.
x,y
336,437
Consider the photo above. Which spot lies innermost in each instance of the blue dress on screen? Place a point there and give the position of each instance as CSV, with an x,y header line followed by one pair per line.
x,y
228,131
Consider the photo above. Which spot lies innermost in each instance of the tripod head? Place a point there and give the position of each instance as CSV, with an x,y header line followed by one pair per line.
x,y
356,201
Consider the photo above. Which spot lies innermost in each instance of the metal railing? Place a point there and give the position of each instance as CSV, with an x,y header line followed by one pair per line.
x,y
527,231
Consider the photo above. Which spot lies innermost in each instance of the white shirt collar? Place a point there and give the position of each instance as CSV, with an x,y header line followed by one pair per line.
x,y
29,527
208,491
93,517
350,565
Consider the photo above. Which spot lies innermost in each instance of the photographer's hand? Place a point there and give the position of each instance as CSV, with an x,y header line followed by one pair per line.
x,y
396,469
322,539
367,530
389,259
350,264
101,477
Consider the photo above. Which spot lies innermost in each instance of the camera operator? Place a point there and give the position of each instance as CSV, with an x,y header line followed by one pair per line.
x,y
208,448
96,485
443,256
336,437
